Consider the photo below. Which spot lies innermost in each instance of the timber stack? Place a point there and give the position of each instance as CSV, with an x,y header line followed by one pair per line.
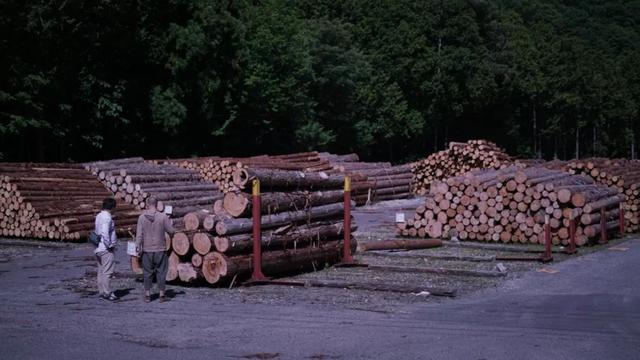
x,y
54,201
133,180
512,204
620,174
301,221
458,159
220,170
372,181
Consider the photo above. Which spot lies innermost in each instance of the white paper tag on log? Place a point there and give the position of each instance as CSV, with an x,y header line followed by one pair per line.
x,y
168,209
399,217
131,248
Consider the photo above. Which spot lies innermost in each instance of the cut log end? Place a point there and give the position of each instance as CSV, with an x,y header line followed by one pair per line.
x,y
180,243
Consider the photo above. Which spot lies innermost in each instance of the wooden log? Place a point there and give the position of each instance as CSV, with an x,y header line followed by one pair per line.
x,y
202,242
607,202
188,273
399,288
593,231
217,265
238,205
288,237
400,244
138,179
196,260
589,219
240,225
180,243
443,271
194,220
172,267
282,179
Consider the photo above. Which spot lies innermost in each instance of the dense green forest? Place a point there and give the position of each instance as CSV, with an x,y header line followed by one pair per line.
x,y
388,79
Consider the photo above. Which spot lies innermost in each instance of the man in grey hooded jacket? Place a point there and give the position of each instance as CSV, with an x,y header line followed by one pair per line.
x,y
150,242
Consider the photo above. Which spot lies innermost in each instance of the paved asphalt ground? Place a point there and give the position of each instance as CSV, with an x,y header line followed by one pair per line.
x,y
588,309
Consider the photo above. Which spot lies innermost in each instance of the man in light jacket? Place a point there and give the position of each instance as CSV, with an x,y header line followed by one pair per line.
x,y
150,242
105,229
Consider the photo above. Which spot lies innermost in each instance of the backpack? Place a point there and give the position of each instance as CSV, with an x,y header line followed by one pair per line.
x,y
94,238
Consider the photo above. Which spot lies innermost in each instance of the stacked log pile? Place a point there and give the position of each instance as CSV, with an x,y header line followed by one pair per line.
x,y
301,222
220,170
133,180
620,174
512,204
458,159
372,181
54,201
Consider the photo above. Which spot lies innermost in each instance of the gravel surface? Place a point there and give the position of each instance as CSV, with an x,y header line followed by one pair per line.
x,y
49,300
375,223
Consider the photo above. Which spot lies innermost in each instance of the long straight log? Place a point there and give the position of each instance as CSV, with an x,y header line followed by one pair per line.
x,y
239,205
274,240
236,226
401,244
216,266
287,179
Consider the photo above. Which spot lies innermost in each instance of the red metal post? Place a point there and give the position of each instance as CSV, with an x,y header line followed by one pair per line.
x,y
257,235
546,256
346,252
603,227
572,237
621,215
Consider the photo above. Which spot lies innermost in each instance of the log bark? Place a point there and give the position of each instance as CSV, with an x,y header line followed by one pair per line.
x,y
282,239
218,266
240,225
239,205
280,179
400,244
188,273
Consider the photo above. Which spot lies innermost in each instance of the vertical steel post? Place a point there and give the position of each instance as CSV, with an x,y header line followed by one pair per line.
x,y
257,274
622,224
346,252
572,236
603,227
546,256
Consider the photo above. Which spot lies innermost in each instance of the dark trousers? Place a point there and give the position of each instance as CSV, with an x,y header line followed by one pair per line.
x,y
154,263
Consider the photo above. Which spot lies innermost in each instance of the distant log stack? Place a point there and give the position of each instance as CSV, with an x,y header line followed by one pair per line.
x,y
134,180
54,201
457,160
512,204
302,224
372,182
620,174
220,170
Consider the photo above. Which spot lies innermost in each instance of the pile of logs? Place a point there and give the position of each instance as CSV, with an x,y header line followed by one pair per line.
x,y
220,170
371,181
620,174
54,201
512,204
134,180
458,159
301,222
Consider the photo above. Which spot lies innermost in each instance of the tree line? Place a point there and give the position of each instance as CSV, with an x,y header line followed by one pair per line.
x,y
389,79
